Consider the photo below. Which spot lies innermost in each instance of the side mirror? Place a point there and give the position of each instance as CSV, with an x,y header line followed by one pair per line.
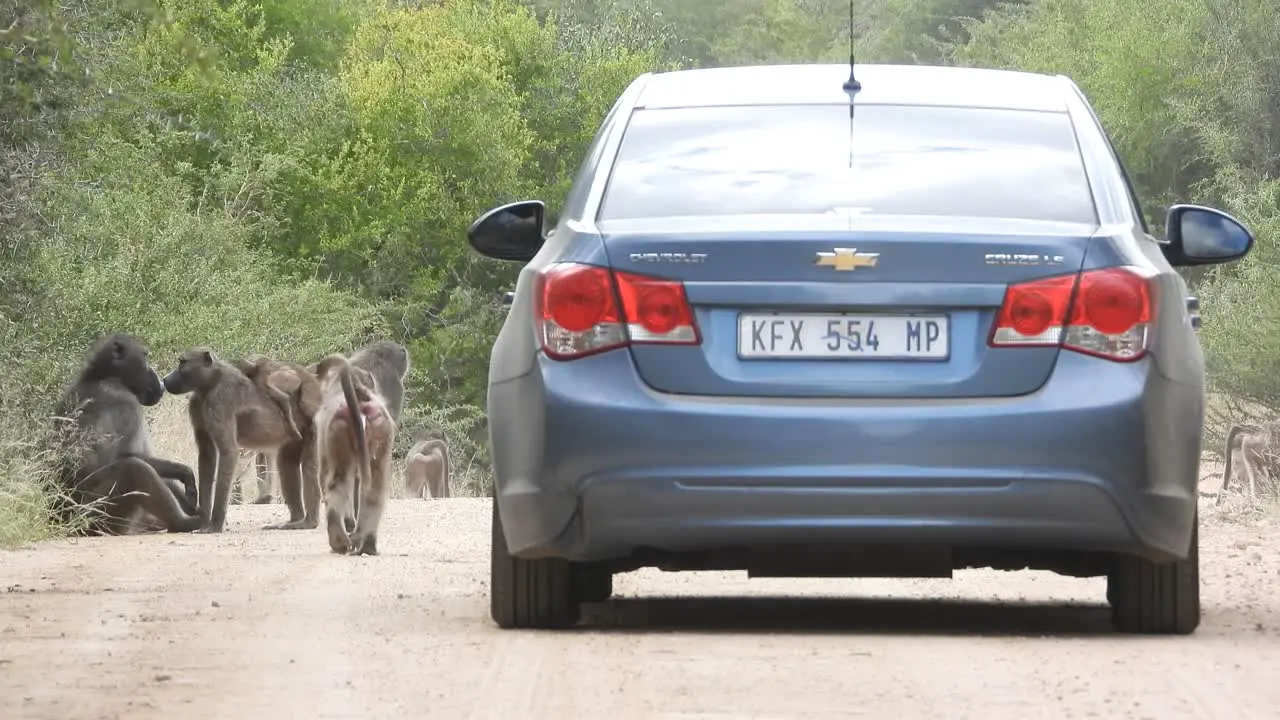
x,y
510,232
1196,235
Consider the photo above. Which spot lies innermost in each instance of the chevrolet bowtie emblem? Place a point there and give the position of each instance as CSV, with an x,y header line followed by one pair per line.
x,y
845,259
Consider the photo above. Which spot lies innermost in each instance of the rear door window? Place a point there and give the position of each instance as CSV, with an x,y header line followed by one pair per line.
x,y
811,159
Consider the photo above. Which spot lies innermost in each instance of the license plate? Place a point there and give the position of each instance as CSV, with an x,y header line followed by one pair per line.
x,y
844,336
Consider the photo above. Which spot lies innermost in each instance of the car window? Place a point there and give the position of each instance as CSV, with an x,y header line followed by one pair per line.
x,y
802,159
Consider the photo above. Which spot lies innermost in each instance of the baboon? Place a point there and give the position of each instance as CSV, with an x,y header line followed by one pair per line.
x,y
262,471
105,446
228,412
287,384
1258,446
354,434
427,467
264,480
386,363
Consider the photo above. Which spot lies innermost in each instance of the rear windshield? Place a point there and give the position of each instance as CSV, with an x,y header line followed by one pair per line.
x,y
804,159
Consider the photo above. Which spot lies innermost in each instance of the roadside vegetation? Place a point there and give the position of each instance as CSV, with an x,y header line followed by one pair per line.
x,y
294,177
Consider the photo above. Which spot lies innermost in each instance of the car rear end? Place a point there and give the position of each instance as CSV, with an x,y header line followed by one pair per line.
x,y
893,340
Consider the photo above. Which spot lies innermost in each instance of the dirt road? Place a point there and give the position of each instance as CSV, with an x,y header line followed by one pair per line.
x,y
268,624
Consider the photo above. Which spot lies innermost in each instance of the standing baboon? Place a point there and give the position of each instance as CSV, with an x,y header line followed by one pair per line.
x,y
228,412
387,363
105,446
1259,448
427,467
355,434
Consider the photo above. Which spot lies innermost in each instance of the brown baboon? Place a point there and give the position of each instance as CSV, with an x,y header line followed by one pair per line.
x,y
287,384
228,412
355,434
427,467
386,363
1259,448
106,454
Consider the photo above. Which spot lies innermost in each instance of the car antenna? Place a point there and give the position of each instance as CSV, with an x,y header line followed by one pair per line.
x,y
851,85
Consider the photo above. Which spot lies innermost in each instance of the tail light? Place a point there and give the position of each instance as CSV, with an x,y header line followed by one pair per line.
x,y
1107,313
583,310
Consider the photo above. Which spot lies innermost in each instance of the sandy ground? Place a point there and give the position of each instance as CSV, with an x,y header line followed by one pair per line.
x,y
269,624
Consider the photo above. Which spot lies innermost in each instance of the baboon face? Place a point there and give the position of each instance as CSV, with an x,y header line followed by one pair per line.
x,y
124,358
195,370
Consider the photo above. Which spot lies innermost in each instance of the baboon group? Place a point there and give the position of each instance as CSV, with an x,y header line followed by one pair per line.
x,y
329,428
1257,450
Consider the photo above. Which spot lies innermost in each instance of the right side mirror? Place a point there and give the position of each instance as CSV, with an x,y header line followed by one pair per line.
x,y
1197,235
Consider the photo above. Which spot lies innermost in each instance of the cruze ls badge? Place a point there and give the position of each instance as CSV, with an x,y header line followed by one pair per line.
x,y
846,259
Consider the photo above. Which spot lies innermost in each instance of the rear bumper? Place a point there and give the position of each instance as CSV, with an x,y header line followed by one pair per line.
x,y
590,465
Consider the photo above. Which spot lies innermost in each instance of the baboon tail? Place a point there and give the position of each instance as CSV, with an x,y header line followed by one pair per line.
x,y
447,467
364,472
1236,431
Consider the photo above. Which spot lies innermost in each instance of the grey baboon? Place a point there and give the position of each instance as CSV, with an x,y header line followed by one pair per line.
x,y
105,446
388,362
1259,449
228,412
355,434
427,467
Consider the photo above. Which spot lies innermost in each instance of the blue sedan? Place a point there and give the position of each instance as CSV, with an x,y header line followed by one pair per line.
x,y
806,326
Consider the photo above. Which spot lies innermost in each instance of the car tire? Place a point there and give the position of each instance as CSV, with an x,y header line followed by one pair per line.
x,y
529,593
1157,598
595,584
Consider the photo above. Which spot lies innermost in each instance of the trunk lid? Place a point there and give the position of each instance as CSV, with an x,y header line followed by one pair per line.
x,y
842,307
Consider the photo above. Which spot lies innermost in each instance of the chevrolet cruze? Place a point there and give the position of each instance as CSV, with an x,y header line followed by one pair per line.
x,y
799,325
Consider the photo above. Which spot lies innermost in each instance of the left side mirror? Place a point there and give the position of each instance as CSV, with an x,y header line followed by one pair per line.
x,y
1196,235
510,232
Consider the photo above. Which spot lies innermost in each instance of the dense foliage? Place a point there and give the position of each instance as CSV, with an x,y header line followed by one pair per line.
x,y
295,176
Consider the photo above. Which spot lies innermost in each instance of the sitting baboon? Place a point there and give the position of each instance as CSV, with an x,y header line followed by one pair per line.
x,y
1259,449
105,446
228,412
427,467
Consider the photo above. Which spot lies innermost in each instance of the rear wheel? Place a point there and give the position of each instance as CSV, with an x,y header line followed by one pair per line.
x,y
594,584
529,593
1157,598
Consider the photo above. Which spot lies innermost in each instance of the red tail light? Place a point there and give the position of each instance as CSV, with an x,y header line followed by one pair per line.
x,y
1107,313
579,313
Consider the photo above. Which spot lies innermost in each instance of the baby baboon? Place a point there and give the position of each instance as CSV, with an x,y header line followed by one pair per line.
x,y
1259,448
355,434
427,467
287,384
106,446
228,412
